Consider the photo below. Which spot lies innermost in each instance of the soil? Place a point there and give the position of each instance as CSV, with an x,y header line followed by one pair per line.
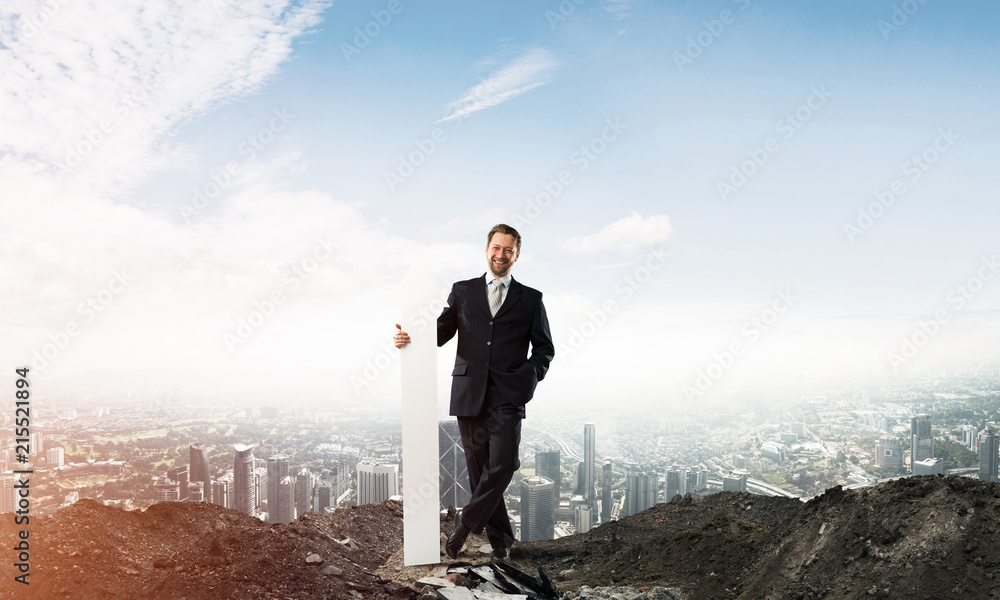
x,y
929,537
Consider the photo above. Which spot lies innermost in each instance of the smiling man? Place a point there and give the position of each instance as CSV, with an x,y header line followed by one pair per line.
x,y
496,319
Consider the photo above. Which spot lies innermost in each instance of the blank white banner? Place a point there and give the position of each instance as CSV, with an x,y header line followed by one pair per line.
x,y
418,293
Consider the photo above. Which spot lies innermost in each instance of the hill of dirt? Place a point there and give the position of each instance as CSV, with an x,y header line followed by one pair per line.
x,y
915,538
201,551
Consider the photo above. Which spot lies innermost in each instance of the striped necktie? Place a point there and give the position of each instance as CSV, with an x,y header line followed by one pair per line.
x,y
496,296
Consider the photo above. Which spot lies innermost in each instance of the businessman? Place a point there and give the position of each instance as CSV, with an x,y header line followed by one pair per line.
x,y
496,319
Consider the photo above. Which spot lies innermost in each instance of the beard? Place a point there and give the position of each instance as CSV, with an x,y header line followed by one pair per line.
x,y
497,270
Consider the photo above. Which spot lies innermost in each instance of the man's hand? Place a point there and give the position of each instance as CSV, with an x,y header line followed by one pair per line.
x,y
401,338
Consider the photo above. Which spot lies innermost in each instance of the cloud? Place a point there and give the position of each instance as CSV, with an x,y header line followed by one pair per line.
x,y
91,91
631,234
619,9
526,72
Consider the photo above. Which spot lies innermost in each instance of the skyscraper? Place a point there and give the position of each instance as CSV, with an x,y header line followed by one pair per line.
x,y
277,470
640,492
453,472
377,483
889,453
303,492
195,491
55,457
606,501
199,468
244,494
166,490
180,475
989,455
921,439
547,466
8,494
286,500
589,469
321,497
537,512
735,481
222,491
674,483
583,519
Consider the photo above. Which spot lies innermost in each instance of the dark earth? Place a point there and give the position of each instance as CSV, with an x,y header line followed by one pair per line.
x,y
929,537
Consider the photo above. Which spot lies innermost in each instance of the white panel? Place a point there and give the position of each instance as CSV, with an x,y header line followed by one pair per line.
x,y
421,520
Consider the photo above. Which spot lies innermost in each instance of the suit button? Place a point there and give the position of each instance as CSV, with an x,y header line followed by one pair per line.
x,y
491,322
488,343
486,365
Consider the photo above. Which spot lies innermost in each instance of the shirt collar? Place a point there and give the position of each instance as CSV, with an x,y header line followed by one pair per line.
x,y
505,280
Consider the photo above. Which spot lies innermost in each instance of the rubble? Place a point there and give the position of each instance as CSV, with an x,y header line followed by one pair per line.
x,y
918,538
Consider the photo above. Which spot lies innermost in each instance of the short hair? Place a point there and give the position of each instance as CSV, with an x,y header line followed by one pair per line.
x,y
504,230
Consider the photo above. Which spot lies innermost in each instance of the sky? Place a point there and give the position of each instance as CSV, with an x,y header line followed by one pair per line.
x,y
716,199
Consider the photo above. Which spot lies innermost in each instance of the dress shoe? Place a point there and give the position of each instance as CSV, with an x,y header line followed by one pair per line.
x,y
500,554
457,538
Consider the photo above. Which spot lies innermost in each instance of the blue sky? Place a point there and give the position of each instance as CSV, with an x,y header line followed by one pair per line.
x,y
242,149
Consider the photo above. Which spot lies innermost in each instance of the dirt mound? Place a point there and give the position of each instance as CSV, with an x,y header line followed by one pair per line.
x,y
202,551
914,538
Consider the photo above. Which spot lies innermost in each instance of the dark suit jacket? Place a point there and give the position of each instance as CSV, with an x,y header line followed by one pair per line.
x,y
495,347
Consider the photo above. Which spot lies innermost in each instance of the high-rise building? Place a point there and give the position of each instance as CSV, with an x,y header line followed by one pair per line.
x,y
970,437
55,457
889,453
260,485
921,439
929,466
35,444
180,475
222,491
640,492
8,495
606,501
590,465
583,519
537,511
377,483
303,492
674,483
735,481
286,500
453,471
198,461
244,487
547,466
321,495
196,491
277,470
989,455
166,490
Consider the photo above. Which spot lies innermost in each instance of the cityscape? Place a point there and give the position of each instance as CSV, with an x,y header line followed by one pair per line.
x,y
278,461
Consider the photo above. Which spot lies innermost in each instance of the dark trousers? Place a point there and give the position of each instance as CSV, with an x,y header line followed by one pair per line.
x,y
491,441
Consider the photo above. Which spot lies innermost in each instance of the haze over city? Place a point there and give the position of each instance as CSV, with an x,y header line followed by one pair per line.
x,y
718,200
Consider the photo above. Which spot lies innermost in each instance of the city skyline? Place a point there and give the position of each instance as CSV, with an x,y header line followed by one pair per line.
x,y
716,199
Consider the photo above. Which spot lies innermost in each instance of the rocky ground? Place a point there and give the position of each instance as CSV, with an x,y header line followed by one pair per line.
x,y
914,538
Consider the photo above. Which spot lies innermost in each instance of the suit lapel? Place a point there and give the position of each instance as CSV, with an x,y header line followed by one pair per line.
x,y
481,298
513,295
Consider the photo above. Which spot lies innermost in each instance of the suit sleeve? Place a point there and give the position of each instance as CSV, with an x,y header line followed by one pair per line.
x,y
542,348
447,322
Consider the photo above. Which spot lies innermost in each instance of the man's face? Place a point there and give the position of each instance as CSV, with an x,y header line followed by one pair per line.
x,y
501,253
